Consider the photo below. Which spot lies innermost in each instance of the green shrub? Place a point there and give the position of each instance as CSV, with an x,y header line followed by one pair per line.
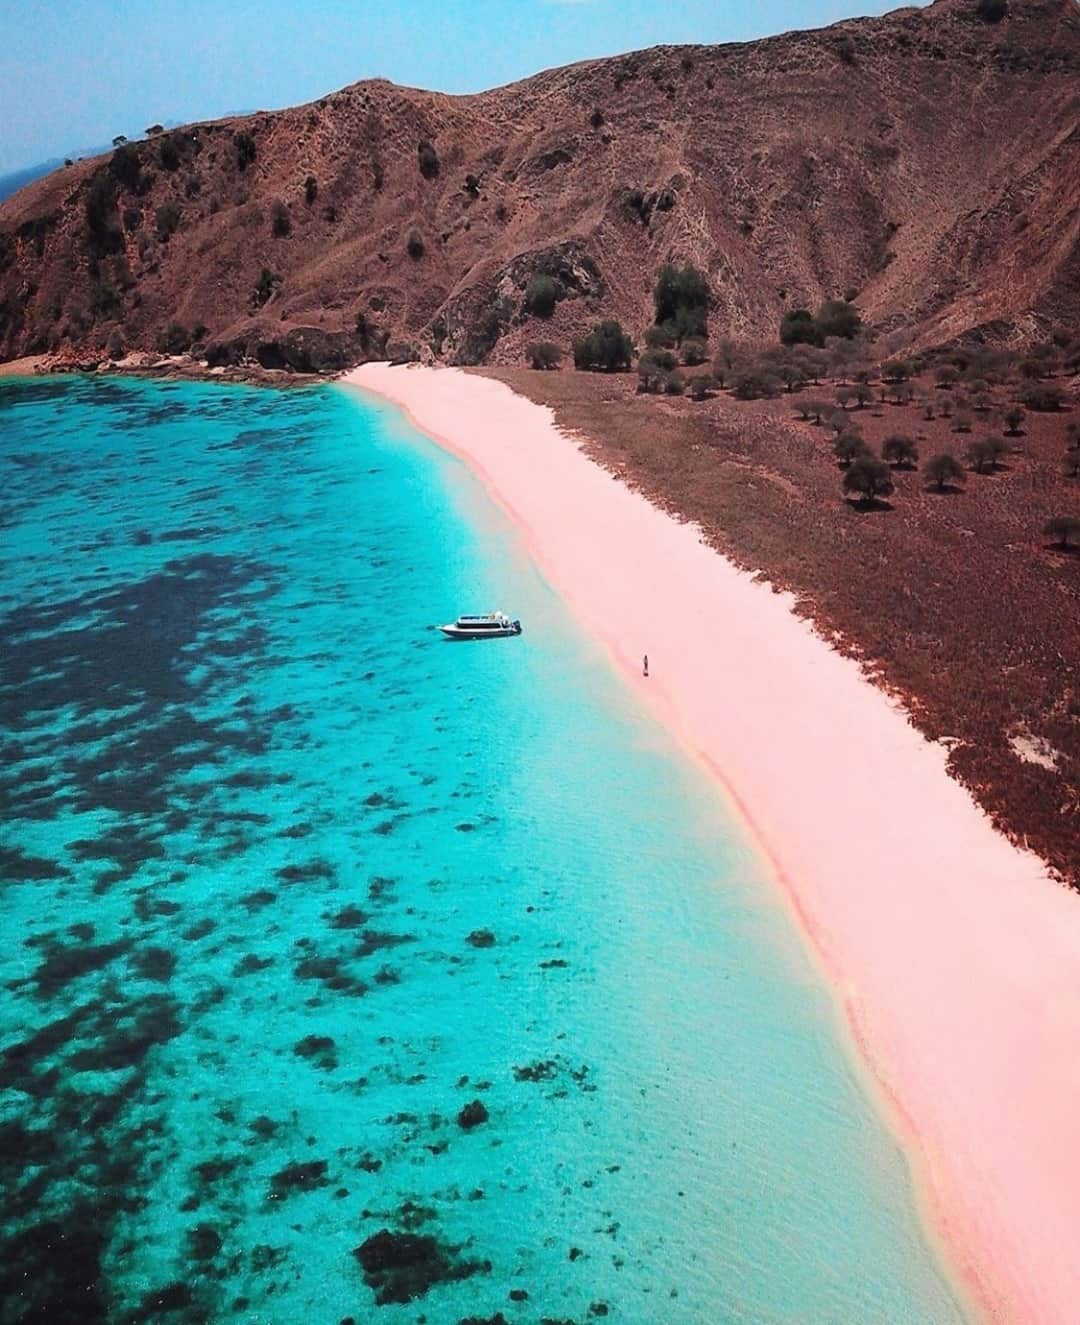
x,y
943,469
694,350
869,477
607,348
543,355
838,318
167,220
245,149
681,301
900,451
849,447
173,339
268,284
1064,530
280,221
1041,397
991,11
428,160
755,384
168,154
125,167
799,328
541,295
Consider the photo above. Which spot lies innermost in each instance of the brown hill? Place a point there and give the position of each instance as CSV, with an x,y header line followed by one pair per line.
x,y
929,160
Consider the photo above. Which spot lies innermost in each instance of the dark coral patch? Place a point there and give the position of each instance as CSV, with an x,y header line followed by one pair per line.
x,y
400,1267
298,1177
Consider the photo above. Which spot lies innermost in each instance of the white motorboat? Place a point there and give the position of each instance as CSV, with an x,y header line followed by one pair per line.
x,y
493,625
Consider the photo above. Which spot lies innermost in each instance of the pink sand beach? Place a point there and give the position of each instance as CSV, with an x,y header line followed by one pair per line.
x,y
955,957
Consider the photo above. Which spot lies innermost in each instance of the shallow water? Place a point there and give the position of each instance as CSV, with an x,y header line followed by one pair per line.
x,y
288,882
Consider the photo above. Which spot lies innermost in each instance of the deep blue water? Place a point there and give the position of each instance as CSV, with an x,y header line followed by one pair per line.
x,y
289,882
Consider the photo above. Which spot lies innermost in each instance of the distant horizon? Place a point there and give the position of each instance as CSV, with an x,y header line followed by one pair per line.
x,y
85,71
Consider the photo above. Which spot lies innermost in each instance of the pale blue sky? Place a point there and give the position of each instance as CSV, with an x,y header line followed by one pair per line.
x,y
75,72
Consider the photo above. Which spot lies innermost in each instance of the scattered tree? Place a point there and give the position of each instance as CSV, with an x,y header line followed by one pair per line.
x,y
814,409
870,478
607,348
946,375
754,384
962,421
1042,398
848,448
896,370
471,186
1014,418
543,355
541,295
701,387
1064,529
724,361
900,451
943,469
986,453
694,350
119,140
154,130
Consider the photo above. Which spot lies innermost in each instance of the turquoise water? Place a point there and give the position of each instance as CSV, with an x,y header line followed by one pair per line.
x,y
289,882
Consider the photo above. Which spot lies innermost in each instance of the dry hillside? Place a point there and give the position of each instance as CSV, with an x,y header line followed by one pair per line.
x,y
928,160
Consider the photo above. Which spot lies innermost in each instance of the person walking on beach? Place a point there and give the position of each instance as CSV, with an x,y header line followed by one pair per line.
x,y
645,665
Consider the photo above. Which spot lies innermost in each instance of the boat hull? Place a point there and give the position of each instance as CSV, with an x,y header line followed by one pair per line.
x,y
463,633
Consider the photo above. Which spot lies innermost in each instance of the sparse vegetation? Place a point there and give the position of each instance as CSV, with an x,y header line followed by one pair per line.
x,y
1042,397
836,318
280,220
848,447
607,348
944,469
681,301
1064,530
173,339
311,189
541,295
245,149
986,454
428,160
414,245
1014,420
755,384
268,284
900,451
167,219
869,478
543,355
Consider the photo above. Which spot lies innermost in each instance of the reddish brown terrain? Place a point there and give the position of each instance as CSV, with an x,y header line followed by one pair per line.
x,y
953,600
928,161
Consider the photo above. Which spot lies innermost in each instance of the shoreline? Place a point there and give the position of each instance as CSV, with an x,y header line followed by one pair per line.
x,y
952,954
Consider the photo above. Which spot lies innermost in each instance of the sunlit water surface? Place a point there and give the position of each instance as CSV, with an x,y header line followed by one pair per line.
x,y
289,881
